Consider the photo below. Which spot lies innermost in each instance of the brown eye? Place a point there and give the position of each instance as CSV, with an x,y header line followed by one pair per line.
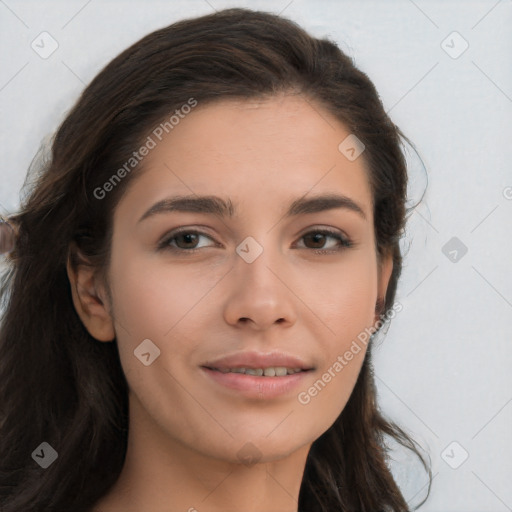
x,y
189,240
184,240
318,239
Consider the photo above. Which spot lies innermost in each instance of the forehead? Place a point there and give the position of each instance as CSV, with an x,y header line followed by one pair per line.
x,y
260,151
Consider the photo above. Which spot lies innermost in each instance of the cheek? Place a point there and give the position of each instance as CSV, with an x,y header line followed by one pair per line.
x,y
343,349
344,296
167,304
152,297
346,307
328,394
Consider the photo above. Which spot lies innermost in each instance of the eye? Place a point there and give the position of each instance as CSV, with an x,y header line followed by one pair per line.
x,y
319,237
185,240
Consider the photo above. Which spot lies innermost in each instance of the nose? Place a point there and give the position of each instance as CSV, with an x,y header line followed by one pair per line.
x,y
260,293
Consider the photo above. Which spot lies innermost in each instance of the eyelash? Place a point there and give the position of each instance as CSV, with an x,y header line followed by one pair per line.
x,y
345,243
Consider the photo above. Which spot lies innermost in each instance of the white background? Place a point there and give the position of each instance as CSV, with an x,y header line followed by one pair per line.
x,y
443,370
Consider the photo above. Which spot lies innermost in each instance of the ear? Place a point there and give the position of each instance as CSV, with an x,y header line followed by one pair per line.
x,y
90,301
385,268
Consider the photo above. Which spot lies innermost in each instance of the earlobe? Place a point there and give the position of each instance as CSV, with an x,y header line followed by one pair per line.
x,y
90,302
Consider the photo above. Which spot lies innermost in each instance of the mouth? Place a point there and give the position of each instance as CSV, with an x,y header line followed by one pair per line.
x,y
271,371
257,383
257,375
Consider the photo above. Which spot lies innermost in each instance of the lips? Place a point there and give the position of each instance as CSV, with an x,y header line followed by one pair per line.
x,y
263,376
258,360
255,387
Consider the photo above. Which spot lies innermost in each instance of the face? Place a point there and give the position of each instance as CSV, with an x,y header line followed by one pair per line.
x,y
254,280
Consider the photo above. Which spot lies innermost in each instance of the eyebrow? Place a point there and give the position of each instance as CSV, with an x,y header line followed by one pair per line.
x,y
224,207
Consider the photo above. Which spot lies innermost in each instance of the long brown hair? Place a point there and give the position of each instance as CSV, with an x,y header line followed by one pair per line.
x,y
58,384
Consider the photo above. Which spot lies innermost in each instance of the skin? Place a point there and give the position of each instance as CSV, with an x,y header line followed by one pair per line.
x,y
185,430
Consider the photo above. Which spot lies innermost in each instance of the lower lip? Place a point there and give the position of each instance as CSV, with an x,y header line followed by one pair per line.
x,y
253,386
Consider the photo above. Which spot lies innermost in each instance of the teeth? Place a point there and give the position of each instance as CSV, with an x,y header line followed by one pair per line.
x,y
272,371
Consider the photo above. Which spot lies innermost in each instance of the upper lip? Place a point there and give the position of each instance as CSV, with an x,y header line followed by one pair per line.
x,y
258,360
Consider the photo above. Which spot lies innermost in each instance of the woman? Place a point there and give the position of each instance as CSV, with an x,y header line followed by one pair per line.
x,y
196,274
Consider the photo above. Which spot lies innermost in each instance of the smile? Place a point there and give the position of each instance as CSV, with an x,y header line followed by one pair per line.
x,y
271,371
